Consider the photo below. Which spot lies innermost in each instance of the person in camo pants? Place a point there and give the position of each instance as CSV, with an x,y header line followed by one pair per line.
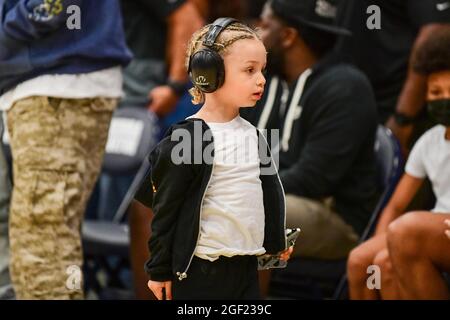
x,y
57,146
59,87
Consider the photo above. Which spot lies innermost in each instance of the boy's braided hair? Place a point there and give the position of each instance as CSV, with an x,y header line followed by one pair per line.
x,y
234,32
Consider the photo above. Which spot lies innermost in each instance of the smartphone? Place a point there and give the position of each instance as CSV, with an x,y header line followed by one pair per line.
x,y
270,261
291,236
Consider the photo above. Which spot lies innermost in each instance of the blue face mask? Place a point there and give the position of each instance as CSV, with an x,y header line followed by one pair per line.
x,y
439,110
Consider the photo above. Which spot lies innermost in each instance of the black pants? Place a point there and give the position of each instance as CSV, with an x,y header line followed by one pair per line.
x,y
225,278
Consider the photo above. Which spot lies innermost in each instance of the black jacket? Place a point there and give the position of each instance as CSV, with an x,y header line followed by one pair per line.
x,y
175,192
330,151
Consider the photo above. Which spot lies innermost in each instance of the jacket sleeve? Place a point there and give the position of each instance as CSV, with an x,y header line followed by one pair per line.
x,y
144,194
33,19
169,183
344,117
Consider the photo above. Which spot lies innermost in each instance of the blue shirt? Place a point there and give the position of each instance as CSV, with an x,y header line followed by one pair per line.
x,y
35,38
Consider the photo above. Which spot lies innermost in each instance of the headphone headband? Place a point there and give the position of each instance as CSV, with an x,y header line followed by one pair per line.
x,y
215,29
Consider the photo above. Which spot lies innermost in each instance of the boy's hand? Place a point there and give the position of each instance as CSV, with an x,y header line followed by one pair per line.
x,y
157,289
286,254
447,232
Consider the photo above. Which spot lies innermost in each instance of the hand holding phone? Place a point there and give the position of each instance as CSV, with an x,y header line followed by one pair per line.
x,y
270,261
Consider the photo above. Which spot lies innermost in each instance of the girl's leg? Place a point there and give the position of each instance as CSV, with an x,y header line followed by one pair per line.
x,y
419,253
360,258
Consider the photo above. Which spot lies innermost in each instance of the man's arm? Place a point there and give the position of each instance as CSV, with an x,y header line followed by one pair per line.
x,y
182,23
33,19
203,6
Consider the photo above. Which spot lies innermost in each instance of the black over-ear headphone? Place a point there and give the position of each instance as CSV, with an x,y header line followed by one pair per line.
x,y
206,68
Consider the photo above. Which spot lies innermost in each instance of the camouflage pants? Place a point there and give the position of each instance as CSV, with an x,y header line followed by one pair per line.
x,y
57,147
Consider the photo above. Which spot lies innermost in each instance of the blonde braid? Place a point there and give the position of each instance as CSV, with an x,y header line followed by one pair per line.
x,y
198,96
234,32
229,42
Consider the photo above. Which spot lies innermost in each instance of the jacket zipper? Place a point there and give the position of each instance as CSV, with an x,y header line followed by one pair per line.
x,y
183,275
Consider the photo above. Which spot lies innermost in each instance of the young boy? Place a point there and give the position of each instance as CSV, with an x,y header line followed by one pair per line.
x,y
213,217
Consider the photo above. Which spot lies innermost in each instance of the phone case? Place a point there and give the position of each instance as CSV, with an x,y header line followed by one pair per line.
x,y
271,261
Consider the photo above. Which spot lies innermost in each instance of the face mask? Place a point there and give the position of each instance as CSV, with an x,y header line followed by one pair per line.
x,y
439,110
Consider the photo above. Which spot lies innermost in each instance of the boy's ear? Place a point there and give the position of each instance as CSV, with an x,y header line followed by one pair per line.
x,y
288,37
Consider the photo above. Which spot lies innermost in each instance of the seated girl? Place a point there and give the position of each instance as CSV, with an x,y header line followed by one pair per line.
x,y
412,250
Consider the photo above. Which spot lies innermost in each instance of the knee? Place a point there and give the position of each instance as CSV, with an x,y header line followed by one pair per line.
x,y
357,263
383,261
404,235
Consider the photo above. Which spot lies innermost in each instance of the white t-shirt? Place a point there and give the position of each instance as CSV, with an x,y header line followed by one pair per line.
x,y
103,83
430,157
232,217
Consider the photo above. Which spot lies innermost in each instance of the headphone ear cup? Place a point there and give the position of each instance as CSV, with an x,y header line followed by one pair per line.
x,y
206,70
220,73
